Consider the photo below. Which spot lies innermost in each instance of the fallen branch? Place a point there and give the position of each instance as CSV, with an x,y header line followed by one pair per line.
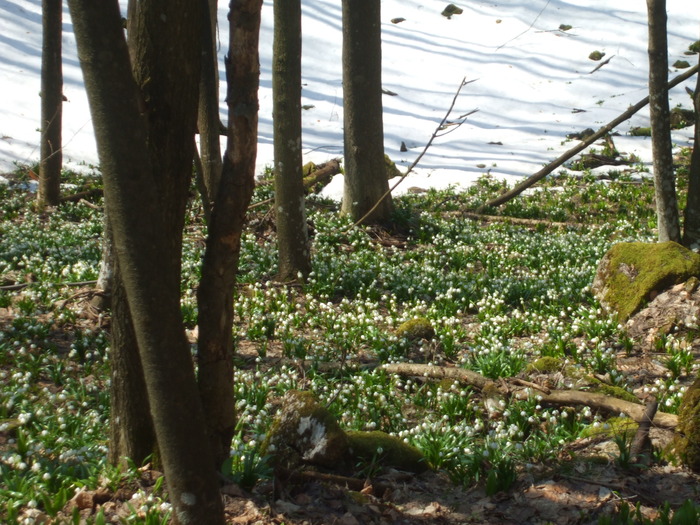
x,y
549,168
440,127
608,404
14,287
438,372
76,197
516,220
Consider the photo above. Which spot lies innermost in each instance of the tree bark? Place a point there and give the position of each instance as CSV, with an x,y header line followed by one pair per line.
x,y
662,149
131,433
105,277
51,157
290,202
141,227
365,168
208,120
691,224
220,265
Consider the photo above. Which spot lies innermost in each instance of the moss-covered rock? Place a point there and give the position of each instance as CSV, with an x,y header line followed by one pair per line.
x,y
682,118
451,10
387,450
687,442
306,431
631,274
596,55
545,365
414,329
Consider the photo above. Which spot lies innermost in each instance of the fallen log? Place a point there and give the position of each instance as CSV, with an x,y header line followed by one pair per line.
x,y
322,174
608,404
549,168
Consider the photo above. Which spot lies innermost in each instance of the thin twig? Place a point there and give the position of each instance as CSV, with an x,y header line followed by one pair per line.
x,y
422,153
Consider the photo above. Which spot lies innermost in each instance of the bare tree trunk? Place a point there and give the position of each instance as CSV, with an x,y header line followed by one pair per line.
x,y
208,116
105,277
220,265
131,428
51,157
662,149
691,225
142,230
290,203
365,168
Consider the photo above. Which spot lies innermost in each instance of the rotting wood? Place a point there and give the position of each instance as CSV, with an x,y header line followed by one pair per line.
x,y
597,401
549,168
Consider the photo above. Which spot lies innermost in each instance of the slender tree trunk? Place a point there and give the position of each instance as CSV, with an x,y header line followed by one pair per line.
x,y
365,167
220,265
140,229
51,105
662,149
131,428
691,225
208,120
290,204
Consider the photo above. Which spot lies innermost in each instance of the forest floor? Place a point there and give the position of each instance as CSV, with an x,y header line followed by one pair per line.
x,y
501,296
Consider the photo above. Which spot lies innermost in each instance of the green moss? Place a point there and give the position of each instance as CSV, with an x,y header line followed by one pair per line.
x,y
632,272
308,168
452,9
682,118
596,55
544,365
681,64
687,442
615,426
418,328
694,47
612,391
640,132
394,452
391,169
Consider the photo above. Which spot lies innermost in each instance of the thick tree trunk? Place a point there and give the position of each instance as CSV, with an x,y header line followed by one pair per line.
x,y
691,225
141,229
208,120
51,158
365,167
290,203
220,265
662,149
